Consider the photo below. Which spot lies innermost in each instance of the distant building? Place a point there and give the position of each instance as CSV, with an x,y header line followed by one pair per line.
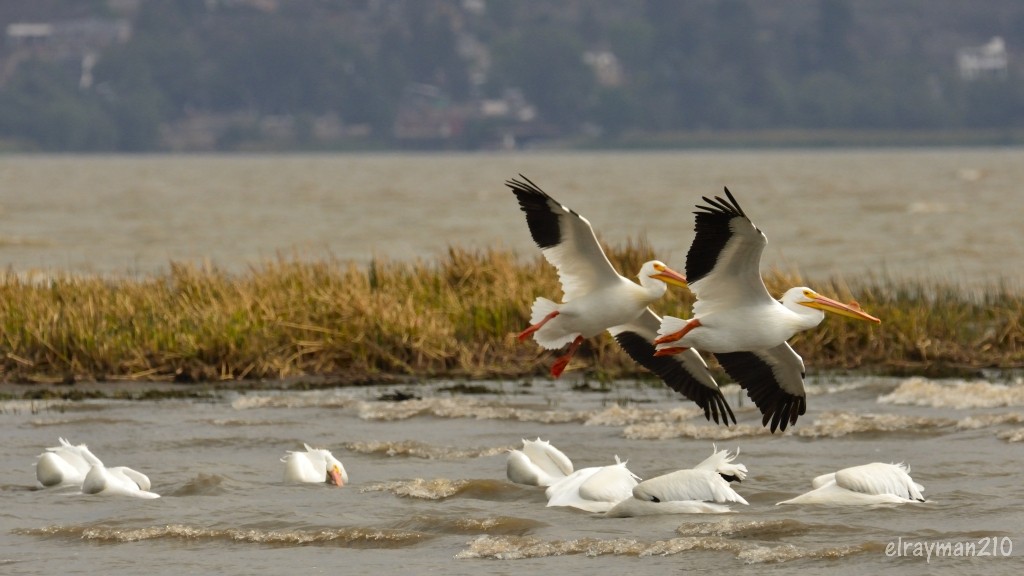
x,y
988,61
78,42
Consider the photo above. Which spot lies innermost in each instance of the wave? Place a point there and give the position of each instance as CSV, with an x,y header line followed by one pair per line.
x,y
204,485
318,399
1012,435
522,547
493,525
343,537
704,431
415,449
466,408
834,424
748,528
443,488
954,394
989,420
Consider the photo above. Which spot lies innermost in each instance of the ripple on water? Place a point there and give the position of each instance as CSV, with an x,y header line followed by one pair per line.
x,y
954,394
521,547
442,488
341,537
416,449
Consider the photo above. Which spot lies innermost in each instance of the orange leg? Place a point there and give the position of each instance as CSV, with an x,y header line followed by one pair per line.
x,y
678,335
533,328
563,360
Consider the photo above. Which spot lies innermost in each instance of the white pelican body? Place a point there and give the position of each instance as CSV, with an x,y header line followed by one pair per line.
x,y
117,481
595,489
704,489
315,465
64,465
736,318
537,464
865,485
598,298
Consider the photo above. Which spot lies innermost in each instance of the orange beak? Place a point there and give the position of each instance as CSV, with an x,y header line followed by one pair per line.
x,y
336,477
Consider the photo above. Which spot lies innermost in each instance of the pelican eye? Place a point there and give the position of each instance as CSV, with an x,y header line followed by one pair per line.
x,y
655,499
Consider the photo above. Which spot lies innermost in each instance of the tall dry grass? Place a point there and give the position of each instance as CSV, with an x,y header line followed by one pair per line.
x,y
457,316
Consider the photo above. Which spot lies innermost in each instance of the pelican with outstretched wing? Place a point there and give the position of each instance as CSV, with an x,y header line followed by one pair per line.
x,y
736,319
597,298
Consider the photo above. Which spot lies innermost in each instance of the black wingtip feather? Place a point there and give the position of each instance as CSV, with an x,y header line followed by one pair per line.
x,y
675,376
779,408
543,222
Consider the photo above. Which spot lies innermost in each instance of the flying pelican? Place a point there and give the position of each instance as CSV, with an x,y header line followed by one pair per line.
x,y
597,298
868,484
735,318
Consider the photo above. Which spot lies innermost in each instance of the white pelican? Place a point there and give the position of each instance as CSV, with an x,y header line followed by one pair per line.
x,y
702,489
64,465
865,485
119,481
537,464
315,465
597,298
595,489
735,318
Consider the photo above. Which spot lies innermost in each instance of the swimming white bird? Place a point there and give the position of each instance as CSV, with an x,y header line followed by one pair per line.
x,y
597,298
64,465
865,485
706,482
315,465
537,464
117,481
595,489
736,318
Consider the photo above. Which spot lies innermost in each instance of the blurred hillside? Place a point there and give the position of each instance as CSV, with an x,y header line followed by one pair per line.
x,y
194,75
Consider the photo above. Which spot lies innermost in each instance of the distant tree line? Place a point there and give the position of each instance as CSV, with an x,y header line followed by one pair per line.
x,y
686,66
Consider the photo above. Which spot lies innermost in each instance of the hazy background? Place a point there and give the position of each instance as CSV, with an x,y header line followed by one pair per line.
x,y
269,75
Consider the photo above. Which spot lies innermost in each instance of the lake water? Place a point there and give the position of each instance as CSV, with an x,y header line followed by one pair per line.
x,y
427,491
950,215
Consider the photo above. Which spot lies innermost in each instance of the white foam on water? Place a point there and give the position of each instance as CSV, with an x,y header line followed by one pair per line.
x,y
918,391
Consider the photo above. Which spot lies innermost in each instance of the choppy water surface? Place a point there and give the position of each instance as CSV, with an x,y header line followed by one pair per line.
x,y
428,493
940,214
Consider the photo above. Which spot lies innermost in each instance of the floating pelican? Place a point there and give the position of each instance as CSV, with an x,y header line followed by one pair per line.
x,y
537,464
597,298
702,489
865,485
595,489
735,318
64,465
117,481
315,465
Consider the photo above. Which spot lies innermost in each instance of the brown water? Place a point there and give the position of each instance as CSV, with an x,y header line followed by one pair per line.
x,y
428,492
427,489
952,214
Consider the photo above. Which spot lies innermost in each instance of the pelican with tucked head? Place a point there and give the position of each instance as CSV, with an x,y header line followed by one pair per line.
x,y
736,318
315,465
865,485
598,298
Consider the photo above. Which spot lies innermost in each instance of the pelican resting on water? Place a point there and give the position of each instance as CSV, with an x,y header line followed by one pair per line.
x,y
64,465
315,465
865,485
597,298
537,464
595,489
117,481
705,488
76,465
736,318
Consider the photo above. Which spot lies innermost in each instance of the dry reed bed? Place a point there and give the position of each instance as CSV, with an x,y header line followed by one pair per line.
x,y
454,317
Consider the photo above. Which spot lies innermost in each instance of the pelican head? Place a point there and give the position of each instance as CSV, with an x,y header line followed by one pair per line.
x,y
659,271
336,473
803,296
